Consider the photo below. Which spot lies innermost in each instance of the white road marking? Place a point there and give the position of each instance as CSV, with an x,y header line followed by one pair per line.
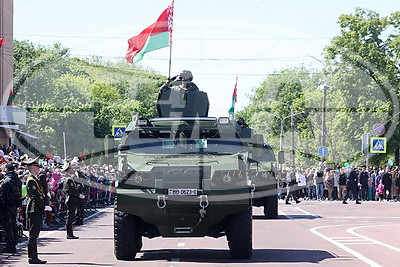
x,y
342,237
306,212
351,231
354,241
285,215
342,246
370,243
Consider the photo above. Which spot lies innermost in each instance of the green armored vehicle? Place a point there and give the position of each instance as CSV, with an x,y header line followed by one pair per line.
x,y
189,175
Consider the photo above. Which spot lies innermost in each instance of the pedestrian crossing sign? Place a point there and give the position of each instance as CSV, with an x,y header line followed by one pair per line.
x,y
378,145
118,131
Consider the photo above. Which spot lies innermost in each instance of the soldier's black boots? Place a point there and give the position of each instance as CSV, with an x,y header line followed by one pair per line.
x,y
36,261
70,233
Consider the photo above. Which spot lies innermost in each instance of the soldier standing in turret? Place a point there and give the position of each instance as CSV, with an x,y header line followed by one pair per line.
x,y
11,187
185,81
34,209
72,198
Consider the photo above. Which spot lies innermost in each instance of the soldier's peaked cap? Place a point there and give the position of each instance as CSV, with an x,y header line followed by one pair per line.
x,y
65,167
69,165
29,162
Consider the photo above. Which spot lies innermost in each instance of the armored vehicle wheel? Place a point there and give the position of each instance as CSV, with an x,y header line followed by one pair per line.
x,y
271,207
239,234
126,241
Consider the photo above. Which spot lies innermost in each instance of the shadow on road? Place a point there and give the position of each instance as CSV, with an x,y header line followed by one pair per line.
x,y
79,264
9,259
223,256
289,217
12,259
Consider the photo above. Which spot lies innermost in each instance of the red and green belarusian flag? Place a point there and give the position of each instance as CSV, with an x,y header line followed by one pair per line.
x,y
231,111
156,36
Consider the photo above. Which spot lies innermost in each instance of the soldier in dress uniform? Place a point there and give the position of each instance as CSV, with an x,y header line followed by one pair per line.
x,y
11,186
82,189
34,209
72,198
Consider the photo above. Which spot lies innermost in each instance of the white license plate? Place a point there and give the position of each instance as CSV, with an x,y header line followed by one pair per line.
x,y
182,192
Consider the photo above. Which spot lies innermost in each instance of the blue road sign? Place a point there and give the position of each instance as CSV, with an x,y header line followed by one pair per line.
x,y
378,145
323,151
118,131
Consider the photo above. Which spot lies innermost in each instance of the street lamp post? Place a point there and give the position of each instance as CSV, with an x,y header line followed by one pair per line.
x,y
292,160
324,120
292,129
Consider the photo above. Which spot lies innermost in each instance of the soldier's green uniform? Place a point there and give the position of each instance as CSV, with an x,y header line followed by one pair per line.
x,y
34,212
72,198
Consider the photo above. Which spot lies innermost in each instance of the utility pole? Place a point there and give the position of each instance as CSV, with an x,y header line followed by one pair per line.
x,y
292,129
324,120
65,147
281,141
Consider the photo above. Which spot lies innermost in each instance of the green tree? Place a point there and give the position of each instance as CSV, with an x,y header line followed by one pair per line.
x,y
81,98
368,46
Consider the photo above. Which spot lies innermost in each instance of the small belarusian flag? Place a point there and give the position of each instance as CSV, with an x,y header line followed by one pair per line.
x,y
10,98
231,111
157,35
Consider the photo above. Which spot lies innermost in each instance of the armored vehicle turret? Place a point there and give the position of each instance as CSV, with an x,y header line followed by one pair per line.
x,y
180,97
189,175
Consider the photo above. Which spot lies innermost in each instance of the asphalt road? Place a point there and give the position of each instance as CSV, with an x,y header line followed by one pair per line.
x,y
324,233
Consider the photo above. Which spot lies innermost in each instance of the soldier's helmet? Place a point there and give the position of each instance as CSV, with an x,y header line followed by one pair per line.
x,y
186,75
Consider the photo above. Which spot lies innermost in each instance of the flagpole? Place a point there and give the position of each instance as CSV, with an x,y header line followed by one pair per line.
x,y
170,56
233,115
170,39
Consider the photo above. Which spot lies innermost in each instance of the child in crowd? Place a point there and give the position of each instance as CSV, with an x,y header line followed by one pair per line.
x,y
380,191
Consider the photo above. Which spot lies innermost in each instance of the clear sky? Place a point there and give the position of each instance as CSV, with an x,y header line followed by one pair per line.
x,y
215,39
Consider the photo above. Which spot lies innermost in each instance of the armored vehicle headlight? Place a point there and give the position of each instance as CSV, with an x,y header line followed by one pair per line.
x,y
226,178
142,122
223,120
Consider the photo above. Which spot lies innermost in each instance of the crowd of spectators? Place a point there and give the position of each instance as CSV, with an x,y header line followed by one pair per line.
x,y
98,184
329,183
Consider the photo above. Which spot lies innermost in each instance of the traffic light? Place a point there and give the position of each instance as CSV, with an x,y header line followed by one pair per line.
x,y
281,157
